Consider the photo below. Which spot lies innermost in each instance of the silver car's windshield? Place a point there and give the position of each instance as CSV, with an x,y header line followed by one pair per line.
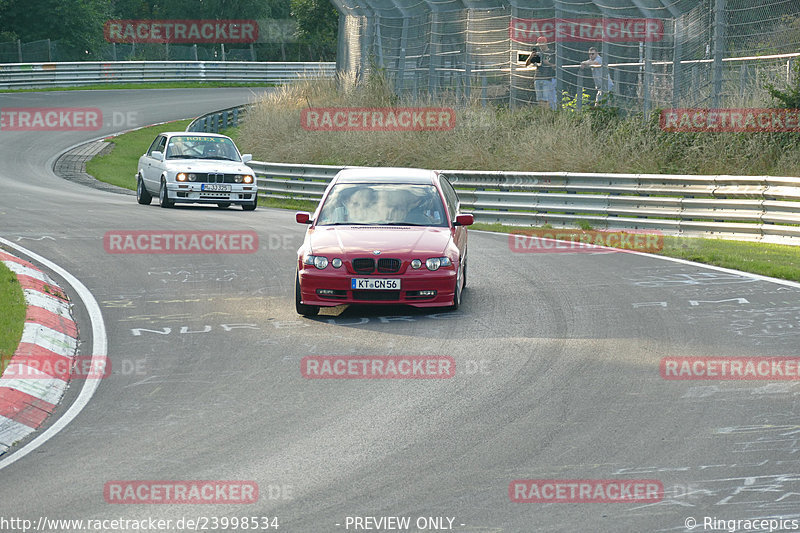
x,y
201,147
383,204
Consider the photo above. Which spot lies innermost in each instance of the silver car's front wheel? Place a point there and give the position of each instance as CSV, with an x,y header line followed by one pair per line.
x,y
163,198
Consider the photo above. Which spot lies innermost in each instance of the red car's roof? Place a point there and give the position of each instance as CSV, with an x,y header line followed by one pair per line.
x,y
386,175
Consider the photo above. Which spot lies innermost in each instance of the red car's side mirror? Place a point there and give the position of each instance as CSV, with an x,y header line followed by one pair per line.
x,y
303,217
464,220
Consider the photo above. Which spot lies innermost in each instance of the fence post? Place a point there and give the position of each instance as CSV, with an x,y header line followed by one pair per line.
x,y
194,48
579,95
677,70
559,51
512,88
484,89
19,50
400,81
719,48
648,76
433,53
742,79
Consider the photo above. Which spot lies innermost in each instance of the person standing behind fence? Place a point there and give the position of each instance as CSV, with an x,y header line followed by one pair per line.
x,y
542,59
595,63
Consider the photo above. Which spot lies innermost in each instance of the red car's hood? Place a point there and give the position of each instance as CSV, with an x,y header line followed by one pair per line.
x,y
358,240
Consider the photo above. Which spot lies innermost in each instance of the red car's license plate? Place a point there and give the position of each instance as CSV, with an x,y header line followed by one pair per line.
x,y
384,284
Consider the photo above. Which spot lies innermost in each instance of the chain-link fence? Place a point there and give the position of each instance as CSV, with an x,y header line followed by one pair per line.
x,y
33,52
277,41
654,53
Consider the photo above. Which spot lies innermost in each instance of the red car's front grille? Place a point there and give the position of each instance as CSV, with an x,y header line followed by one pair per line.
x,y
388,266
364,265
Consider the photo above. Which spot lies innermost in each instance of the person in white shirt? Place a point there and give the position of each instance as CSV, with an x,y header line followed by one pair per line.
x,y
595,63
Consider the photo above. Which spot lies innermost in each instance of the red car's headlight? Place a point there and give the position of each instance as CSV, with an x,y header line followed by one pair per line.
x,y
434,263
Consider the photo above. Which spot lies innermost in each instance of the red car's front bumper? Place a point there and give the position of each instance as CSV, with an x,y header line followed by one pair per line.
x,y
443,281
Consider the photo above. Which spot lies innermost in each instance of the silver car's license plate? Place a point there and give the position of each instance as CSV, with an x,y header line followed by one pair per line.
x,y
384,284
215,187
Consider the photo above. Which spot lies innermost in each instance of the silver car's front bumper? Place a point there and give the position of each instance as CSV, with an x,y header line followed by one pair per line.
x,y
191,192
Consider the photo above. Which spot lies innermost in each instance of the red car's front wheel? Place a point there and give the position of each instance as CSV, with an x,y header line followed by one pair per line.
x,y
302,309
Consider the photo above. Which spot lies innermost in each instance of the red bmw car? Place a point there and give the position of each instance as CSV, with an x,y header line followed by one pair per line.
x,y
383,236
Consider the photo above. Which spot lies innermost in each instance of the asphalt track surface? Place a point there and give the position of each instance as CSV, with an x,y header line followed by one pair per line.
x,y
568,345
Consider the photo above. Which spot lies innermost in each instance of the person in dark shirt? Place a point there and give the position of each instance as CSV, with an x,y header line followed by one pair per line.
x,y
543,60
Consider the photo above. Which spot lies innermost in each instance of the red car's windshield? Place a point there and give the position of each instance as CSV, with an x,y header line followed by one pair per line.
x,y
383,204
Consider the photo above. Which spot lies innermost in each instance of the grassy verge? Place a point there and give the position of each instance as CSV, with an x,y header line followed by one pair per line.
x,y
774,260
152,85
528,139
119,166
12,314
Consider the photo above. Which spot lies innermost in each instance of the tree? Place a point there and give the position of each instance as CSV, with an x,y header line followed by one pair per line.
x,y
317,27
77,24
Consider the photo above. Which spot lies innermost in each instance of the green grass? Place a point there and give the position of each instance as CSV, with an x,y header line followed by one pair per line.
x,y
149,85
773,260
119,167
12,314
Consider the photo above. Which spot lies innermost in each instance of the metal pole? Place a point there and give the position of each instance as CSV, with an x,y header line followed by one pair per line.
x,y
742,79
433,53
50,52
379,41
677,73
467,69
559,56
605,50
719,48
400,82
648,76
19,50
512,63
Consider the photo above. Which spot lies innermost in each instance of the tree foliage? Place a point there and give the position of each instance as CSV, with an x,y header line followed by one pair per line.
x,y
77,24
317,26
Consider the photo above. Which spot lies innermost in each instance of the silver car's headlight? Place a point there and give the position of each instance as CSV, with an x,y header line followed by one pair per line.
x,y
181,176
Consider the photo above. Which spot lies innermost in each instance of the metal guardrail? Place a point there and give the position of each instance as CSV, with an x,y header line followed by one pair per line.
x,y
219,120
756,208
36,75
